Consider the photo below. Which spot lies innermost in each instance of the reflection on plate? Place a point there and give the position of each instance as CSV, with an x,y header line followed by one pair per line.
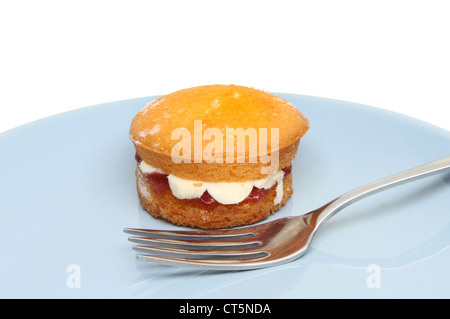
x,y
67,190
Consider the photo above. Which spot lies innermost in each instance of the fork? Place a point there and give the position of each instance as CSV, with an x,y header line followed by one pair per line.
x,y
264,245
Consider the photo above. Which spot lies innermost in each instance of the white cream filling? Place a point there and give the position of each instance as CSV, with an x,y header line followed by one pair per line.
x,y
226,193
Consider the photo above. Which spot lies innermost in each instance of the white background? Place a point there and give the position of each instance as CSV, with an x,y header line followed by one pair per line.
x,y
62,55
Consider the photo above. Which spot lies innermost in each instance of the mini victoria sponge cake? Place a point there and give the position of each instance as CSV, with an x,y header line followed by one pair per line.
x,y
216,156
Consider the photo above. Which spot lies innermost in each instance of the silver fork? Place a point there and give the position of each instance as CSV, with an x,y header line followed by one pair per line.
x,y
269,244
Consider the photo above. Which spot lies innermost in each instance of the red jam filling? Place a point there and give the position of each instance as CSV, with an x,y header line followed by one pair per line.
x,y
287,170
137,158
160,184
206,201
257,194
159,181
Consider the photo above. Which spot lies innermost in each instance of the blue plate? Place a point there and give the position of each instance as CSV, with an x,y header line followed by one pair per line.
x,y
67,190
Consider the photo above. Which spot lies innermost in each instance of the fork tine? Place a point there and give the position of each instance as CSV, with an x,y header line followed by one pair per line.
x,y
193,244
193,235
201,254
212,264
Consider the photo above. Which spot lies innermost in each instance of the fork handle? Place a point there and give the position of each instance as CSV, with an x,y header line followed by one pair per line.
x,y
350,197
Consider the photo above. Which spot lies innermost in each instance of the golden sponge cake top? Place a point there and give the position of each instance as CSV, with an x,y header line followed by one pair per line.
x,y
216,106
